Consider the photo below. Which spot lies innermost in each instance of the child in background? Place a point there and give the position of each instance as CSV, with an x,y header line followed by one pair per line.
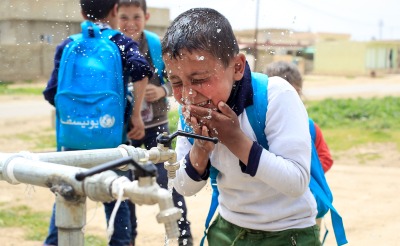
x,y
264,198
290,72
133,16
104,14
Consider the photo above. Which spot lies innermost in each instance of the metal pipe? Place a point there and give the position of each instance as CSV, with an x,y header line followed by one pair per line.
x,y
70,219
147,191
71,194
92,158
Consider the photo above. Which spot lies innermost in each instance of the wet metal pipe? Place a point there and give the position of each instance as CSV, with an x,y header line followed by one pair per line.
x,y
92,158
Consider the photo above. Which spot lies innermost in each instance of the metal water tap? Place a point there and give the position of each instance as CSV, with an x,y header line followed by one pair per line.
x,y
144,190
164,143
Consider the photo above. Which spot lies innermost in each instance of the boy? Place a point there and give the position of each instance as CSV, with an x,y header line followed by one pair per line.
x,y
264,195
104,14
133,16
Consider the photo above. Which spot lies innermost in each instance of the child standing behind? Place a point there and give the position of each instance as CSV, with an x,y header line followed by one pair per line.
x,y
264,198
289,72
104,14
133,16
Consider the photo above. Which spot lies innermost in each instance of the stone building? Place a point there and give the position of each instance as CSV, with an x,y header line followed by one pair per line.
x,y
30,30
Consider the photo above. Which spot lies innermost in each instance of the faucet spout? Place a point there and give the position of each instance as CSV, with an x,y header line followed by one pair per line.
x,y
147,191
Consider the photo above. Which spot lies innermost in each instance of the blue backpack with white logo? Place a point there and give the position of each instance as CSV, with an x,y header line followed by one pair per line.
x,y
90,100
256,114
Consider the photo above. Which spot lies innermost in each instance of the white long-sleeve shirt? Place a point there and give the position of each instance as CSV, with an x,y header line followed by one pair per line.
x,y
275,195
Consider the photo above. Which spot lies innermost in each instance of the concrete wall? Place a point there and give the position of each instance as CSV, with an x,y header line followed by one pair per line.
x,y
351,58
30,30
340,58
50,10
26,62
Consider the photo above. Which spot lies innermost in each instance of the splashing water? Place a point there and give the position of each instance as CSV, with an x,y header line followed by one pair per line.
x,y
215,131
208,117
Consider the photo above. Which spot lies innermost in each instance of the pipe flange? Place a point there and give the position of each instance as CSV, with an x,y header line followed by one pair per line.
x,y
8,168
135,152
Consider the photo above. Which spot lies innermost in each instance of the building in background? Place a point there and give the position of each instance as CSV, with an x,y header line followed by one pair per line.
x,y
283,44
320,53
352,58
30,30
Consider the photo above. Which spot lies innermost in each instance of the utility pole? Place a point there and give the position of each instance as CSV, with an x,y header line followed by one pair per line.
x,y
256,35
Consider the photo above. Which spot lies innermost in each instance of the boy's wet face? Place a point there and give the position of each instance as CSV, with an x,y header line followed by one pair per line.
x,y
132,20
198,78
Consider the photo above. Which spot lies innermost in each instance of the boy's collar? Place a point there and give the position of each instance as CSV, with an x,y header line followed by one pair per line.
x,y
242,93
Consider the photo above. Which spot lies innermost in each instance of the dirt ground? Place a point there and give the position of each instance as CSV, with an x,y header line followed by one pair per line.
x,y
365,193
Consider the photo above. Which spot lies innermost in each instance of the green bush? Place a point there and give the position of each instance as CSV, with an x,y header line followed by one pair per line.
x,y
371,114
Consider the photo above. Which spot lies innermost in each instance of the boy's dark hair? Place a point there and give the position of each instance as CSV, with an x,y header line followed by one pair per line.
x,y
286,70
97,9
138,3
201,29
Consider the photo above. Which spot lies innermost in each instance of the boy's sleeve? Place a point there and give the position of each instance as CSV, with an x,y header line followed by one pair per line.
x,y
322,149
286,165
51,88
185,183
133,61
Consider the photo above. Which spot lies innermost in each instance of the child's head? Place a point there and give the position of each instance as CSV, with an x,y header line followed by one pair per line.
x,y
99,10
288,71
202,57
201,29
132,15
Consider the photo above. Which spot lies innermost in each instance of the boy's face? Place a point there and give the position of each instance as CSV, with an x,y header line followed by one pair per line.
x,y
132,21
198,78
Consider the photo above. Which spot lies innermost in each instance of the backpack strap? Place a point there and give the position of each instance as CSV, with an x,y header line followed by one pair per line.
x,y
318,184
313,132
90,30
256,113
154,44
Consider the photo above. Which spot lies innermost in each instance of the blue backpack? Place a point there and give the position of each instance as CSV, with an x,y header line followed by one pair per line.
x,y
90,100
256,114
154,44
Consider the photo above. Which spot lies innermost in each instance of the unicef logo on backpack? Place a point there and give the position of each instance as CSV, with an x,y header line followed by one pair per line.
x,y
107,121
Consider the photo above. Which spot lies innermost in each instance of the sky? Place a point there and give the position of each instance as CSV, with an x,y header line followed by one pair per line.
x,y
362,19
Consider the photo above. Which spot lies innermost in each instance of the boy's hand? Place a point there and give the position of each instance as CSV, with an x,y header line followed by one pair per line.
x,y
201,149
154,93
225,126
137,130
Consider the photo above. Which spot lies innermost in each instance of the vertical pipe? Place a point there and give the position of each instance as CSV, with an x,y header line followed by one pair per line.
x,y
70,219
